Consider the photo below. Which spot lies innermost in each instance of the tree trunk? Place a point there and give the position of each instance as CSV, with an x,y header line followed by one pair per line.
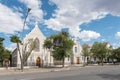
x,y
84,62
87,60
20,57
63,62
50,58
102,61
113,61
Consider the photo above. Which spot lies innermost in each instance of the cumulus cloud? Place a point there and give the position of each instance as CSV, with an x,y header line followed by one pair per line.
x,y
10,20
72,13
11,47
36,14
88,35
117,35
116,45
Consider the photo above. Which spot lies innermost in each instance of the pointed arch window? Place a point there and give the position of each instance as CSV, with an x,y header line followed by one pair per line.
x,y
75,49
37,44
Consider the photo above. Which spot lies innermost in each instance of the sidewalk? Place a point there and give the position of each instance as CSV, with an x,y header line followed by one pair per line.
x,y
29,70
10,71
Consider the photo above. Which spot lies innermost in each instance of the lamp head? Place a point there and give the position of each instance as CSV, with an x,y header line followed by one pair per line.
x,y
29,9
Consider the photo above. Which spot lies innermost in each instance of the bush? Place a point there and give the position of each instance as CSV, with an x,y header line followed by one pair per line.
x,y
98,62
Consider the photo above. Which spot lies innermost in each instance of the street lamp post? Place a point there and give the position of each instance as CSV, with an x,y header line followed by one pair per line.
x,y
29,9
22,60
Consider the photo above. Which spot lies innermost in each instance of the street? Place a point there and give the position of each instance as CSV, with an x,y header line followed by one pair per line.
x,y
83,73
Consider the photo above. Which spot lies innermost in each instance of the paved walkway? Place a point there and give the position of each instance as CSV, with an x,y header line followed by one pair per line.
x,y
16,71
10,71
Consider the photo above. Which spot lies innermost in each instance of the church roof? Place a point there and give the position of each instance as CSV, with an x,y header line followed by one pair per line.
x,y
35,32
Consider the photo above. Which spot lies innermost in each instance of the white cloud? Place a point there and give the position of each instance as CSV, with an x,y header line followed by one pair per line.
x,y
88,35
10,20
72,13
116,45
11,47
36,14
117,35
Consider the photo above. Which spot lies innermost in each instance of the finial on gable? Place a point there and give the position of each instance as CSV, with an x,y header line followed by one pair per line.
x,y
36,24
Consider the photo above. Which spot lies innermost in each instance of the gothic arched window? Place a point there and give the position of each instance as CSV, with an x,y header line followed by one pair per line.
x,y
75,49
37,44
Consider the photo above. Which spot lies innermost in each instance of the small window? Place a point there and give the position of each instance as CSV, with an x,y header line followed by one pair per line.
x,y
75,49
68,57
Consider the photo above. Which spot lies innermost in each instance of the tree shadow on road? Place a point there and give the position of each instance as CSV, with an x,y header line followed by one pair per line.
x,y
110,76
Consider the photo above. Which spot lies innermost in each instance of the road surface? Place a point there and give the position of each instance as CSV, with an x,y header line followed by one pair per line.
x,y
87,73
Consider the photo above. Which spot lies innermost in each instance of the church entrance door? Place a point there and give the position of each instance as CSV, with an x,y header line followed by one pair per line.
x,y
78,60
38,62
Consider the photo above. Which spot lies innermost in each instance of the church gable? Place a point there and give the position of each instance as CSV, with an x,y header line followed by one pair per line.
x,y
36,32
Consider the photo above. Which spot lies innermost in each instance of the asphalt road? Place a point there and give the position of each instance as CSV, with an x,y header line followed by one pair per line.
x,y
87,73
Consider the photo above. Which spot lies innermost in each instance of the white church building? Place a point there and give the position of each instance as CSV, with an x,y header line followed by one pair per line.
x,y
41,55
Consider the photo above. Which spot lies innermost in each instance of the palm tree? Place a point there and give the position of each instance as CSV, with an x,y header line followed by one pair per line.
x,y
16,39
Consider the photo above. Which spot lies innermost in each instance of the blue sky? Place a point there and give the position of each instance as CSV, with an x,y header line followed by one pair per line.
x,y
87,21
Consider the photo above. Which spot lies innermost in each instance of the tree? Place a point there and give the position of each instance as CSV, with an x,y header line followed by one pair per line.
x,y
1,51
60,44
6,54
86,52
116,55
27,52
99,50
31,46
109,55
6,58
16,39
113,55
48,45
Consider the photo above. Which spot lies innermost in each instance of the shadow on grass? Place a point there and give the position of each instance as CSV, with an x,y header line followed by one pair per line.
x,y
109,76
